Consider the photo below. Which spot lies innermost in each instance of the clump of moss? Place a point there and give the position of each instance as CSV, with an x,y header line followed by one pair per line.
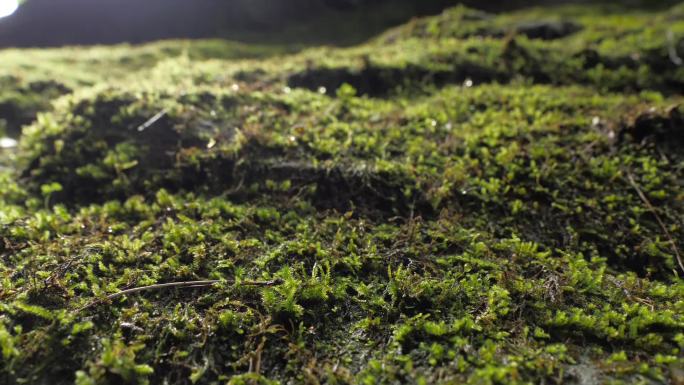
x,y
522,227
21,101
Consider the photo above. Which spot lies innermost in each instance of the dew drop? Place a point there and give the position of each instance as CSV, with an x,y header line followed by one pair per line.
x,y
8,143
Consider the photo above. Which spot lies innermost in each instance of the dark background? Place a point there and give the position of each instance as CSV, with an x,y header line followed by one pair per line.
x,y
42,23
67,22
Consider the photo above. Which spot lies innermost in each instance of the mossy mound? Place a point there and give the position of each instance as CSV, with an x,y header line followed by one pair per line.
x,y
465,199
30,79
616,51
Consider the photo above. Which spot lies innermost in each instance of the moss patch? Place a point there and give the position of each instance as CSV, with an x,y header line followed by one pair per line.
x,y
467,198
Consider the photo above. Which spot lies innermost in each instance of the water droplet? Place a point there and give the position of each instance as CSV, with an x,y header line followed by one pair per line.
x,y
8,143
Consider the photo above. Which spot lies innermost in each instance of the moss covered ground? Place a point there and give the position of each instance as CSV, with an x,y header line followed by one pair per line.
x,y
467,198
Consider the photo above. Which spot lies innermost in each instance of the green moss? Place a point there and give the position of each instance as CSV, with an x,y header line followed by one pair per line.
x,y
31,79
404,218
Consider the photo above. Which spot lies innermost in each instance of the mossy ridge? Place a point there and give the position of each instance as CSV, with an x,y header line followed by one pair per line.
x,y
30,79
611,49
542,157
488,260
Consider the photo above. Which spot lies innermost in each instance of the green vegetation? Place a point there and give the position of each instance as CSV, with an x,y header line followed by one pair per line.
x,y
31,79
468,198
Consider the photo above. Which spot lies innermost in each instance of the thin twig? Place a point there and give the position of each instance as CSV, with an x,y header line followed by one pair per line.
x,y
158,286
672,49
152,120
178,285
657,217
255,363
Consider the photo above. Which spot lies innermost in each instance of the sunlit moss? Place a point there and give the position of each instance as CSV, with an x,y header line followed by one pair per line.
x,y
376,214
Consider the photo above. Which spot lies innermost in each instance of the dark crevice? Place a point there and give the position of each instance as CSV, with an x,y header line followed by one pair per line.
x,y
345,188
383,81
663,130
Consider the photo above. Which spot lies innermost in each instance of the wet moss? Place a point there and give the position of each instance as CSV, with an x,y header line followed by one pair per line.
x,y
468,198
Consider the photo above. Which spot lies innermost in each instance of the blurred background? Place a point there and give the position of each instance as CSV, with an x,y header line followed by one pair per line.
x,y
43,23
49,23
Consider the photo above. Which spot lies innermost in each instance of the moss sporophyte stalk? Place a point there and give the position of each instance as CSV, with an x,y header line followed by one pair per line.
x,y
472,198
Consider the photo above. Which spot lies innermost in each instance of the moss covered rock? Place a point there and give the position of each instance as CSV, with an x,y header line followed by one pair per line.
x,y
469,198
